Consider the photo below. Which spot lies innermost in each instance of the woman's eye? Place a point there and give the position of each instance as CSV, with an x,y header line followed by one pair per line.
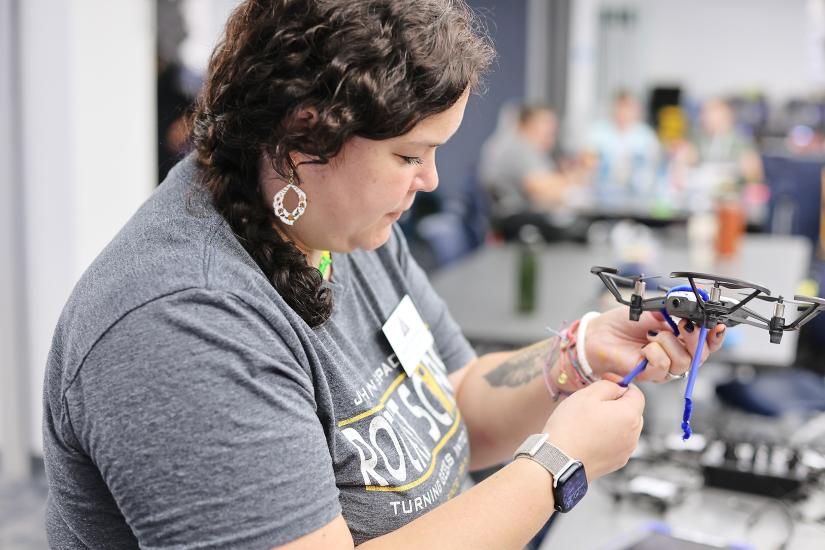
x,y
412,160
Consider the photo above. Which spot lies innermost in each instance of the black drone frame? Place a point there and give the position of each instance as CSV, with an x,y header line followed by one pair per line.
x,y
710,308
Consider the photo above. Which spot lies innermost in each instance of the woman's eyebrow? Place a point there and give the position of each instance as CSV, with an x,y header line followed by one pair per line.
x,y
424,143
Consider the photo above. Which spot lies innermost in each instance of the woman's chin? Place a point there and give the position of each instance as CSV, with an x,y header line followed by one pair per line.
x,y
376,238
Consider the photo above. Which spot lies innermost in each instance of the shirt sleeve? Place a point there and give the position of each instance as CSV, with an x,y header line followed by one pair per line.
x,y
204,427
452,346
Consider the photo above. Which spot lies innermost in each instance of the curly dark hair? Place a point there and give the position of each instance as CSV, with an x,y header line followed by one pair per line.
x,y
369,68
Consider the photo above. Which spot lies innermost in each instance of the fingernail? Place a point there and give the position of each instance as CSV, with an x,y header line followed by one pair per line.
x,y
689,326
652,333
721,332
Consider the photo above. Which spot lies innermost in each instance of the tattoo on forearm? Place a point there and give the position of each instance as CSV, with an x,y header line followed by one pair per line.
x,y
524,366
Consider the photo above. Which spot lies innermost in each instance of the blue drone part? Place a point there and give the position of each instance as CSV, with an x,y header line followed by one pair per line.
x,y
634,373
694,370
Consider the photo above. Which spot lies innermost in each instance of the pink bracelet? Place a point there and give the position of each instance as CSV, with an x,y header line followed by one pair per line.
x,y
555,392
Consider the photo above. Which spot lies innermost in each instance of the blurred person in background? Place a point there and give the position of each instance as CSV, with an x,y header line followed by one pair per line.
x,y
517,169
177,87
219,377
622,153
718,143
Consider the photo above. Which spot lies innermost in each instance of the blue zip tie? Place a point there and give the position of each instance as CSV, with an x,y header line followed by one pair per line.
x,y
673,326
694,370
634,373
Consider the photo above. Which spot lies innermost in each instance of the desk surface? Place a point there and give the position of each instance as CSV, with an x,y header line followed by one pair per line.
x,y
598,522
481,291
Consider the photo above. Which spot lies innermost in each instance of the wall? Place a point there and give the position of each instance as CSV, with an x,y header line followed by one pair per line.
x,y
87,155
507,22
721,47
14,436
707,46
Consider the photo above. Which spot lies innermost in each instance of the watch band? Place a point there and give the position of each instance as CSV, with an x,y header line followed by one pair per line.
x,y
537,447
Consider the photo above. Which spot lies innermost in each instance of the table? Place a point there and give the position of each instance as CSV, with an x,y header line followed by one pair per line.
x,y
598,522
481,291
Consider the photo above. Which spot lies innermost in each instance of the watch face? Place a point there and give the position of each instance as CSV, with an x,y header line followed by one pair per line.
x,y
570,487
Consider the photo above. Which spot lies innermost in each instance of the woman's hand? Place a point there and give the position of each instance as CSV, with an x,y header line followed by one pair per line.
x,y
598,425
616,344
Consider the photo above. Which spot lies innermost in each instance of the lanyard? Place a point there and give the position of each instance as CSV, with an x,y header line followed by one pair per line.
x,y
326,263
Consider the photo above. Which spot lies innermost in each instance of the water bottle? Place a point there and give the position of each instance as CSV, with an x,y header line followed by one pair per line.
x,y
528,268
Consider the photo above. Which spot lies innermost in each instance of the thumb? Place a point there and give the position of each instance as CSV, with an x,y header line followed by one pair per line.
x,y
604,390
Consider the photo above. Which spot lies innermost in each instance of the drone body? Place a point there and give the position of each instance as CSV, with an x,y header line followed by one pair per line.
x,y
709,308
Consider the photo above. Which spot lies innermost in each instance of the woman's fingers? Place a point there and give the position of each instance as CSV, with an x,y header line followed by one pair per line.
x,y
667,353
658,363
716,337
689,335
679,356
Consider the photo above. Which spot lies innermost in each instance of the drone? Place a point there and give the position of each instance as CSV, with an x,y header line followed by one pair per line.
x,y
706,309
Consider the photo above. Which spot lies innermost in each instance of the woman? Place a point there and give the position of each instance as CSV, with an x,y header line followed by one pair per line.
x,y
214,382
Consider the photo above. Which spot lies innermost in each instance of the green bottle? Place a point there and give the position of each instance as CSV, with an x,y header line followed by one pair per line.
x,y
528,268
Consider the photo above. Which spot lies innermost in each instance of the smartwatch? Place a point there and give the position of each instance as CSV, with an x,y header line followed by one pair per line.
x,y
569,479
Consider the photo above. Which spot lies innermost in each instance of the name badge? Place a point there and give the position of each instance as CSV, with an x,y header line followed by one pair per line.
x,y
409,337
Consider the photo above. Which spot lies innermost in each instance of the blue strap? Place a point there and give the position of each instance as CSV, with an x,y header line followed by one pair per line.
x,y
634,373
694,370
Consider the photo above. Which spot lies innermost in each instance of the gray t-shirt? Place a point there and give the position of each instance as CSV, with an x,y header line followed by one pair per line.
x,y
187,406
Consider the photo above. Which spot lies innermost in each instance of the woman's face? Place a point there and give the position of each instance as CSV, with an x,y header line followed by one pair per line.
x,y
353,200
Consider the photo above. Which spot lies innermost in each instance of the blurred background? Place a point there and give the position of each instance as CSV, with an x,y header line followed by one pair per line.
x,y
649,135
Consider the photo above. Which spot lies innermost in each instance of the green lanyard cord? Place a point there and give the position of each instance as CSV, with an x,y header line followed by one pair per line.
x,y
326,262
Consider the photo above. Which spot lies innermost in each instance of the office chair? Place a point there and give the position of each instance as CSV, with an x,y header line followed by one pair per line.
x,y
460,227
797,207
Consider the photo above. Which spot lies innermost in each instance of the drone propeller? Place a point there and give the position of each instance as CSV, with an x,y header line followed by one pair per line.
x,y
643,277
812,300
776,299
726,282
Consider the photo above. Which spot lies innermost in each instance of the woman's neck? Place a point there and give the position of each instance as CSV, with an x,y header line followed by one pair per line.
x,y
313,256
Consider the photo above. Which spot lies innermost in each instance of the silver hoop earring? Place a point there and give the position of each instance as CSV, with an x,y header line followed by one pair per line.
x,y
289,217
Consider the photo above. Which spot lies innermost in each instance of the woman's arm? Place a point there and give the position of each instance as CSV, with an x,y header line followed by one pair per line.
x,y
504,511
599,425
503,399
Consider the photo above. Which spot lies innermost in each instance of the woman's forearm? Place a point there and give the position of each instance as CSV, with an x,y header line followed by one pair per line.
x,y
502,512
504,398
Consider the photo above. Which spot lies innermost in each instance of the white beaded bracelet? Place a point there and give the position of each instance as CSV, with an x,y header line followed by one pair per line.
x,y
580,342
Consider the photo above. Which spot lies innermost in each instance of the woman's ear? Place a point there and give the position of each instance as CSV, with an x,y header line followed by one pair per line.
x,y
302,119
307,116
